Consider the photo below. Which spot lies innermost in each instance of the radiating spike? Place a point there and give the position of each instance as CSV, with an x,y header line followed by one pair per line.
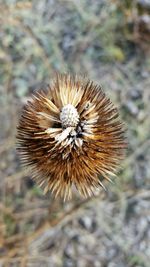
x,y
101,184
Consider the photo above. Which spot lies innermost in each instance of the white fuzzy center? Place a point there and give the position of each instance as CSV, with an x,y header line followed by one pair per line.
x,y
69,116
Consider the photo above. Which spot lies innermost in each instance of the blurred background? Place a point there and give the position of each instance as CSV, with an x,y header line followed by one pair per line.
x,y
108,41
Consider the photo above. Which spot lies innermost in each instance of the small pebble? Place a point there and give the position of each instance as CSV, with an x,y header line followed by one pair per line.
x,y
132,108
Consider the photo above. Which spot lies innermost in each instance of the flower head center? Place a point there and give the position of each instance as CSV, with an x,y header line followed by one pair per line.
x,y
69,116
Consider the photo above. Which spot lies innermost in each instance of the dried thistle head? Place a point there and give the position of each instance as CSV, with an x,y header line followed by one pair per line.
x,y
71,134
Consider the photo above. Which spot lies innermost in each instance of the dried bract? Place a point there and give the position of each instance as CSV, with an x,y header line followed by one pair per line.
x,y
71,135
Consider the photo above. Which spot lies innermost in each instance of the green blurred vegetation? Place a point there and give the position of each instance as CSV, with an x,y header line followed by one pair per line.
x,y
109,41
35,41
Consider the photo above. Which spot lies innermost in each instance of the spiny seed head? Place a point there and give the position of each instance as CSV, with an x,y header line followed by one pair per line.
x,y
71,134
69,116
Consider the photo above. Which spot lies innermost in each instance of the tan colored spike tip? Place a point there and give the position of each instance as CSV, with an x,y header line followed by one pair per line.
x,y
71,134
